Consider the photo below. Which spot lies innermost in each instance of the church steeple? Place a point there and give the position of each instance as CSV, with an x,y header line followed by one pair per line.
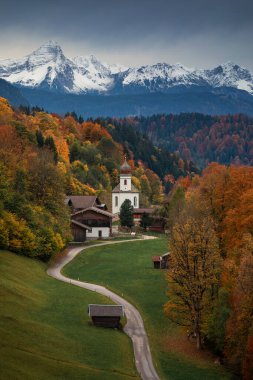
x,y
125,167
125,176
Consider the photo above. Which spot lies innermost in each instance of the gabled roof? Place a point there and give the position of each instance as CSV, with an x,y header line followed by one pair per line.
x,y
95,209
82,201
105,310
117,189
84,226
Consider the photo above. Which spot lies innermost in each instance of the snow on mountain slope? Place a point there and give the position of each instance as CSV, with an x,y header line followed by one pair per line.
x,y
162,76
230,75
48,68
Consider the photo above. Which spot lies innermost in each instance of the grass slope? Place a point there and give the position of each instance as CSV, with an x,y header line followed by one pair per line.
x,y
45,332
127,269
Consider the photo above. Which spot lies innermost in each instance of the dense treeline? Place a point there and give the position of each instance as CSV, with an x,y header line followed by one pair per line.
x,y
43,157
201,138
168,166
211,271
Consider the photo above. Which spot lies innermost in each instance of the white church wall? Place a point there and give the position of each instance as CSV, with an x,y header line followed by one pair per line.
x,y
121,197
125,183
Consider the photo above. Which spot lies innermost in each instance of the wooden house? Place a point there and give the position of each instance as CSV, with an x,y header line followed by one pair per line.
x,y
96,222
158,224
138,212
89,217
106,315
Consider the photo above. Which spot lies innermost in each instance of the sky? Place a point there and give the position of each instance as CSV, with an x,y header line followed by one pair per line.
x,y
196,33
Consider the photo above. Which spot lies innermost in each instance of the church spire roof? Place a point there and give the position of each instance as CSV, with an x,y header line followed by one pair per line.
x,y
125,167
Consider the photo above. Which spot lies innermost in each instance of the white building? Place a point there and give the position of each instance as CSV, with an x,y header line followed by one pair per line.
x,y
124,190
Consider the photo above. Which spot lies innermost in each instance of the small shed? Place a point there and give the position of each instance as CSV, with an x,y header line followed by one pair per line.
x,y
157,261
106,315
161,262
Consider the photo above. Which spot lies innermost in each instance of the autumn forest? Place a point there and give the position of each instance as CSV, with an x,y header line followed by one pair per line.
x,y
197,171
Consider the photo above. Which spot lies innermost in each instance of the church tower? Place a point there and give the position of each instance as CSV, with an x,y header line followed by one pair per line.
x,y
125,177
125,189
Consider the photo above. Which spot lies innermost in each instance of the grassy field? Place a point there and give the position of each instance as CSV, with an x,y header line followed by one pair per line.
x,y
45,332
127,269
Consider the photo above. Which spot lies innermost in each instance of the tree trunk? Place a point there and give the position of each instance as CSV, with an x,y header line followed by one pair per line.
x,y
198,340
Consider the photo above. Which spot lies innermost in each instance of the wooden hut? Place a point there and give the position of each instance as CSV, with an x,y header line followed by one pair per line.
x,y
106,315
161,262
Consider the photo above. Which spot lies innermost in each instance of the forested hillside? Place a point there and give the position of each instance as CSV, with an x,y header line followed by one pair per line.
x,y
211,270
201,138
44,157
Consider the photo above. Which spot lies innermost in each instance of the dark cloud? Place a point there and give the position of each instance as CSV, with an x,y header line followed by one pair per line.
x,y
195,32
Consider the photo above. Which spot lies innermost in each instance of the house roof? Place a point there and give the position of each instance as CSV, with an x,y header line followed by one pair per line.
x,y
105,310
82,201
143,210
117,189
84,226
95,209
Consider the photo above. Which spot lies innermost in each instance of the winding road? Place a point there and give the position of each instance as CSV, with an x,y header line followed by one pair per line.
x,y
134,327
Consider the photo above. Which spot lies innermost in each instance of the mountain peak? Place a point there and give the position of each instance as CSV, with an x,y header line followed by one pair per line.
x,y
48,68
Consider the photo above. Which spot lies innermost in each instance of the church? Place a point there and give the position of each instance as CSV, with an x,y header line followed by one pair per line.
x,y
125,189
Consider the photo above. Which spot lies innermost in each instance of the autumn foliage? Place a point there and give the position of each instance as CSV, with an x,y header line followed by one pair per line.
x,y
226,195
43,158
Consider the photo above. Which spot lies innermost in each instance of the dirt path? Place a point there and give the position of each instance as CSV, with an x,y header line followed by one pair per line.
x,y
134,327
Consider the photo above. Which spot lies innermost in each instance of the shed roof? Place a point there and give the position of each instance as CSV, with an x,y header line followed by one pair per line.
x,y
105,310
156,258
84,226
82,201
117,189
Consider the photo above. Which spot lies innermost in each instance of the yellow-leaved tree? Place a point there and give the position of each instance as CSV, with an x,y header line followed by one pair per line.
x,y
193,271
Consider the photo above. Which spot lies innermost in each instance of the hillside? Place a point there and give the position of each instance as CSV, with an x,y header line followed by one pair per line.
x,y
12,93
180,99
44,157
36,313
201,138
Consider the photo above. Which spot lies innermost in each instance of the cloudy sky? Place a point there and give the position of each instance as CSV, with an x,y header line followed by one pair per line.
x,y
197,33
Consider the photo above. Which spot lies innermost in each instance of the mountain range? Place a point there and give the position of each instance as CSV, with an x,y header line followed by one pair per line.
x,y
46,76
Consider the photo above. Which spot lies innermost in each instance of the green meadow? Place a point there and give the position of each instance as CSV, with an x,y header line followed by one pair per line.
x,y
127,269
45,332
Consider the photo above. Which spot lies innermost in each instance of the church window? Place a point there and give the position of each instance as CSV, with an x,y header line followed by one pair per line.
x,y
125,182
135,201
116,201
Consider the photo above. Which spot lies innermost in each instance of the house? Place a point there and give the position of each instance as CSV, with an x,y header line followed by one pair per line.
x,y
98,222
125,189
106,315
89,218
161,262
158,224
138,212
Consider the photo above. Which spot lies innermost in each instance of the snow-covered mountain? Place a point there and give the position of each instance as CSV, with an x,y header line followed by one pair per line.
x,y
48,68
